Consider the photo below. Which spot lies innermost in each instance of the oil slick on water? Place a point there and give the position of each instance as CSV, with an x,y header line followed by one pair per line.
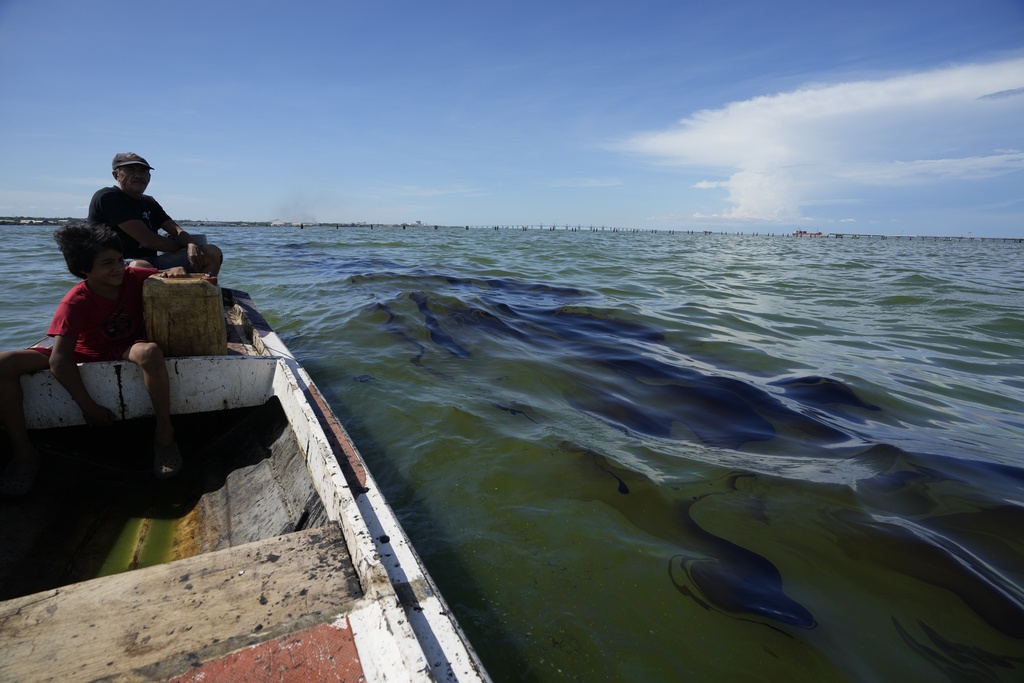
x,y
926,522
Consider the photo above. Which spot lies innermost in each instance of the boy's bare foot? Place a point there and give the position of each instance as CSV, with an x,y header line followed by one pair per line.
x,y
19,476
166,460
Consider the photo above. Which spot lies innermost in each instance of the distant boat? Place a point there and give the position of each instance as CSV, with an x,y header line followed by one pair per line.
x,y
804,233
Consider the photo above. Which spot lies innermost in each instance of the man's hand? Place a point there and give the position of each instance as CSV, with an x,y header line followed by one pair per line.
x,y
196,258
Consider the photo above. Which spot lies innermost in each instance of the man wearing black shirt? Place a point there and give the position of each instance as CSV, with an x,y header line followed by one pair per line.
x,y
137,218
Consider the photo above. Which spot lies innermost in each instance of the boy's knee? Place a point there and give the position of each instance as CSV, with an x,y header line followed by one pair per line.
x,y
17,363
147,353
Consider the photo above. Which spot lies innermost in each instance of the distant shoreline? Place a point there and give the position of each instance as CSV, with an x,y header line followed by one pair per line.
x,y
38,221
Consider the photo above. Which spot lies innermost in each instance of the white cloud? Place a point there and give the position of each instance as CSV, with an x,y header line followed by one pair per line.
x,y
1003,93
925,170
777,153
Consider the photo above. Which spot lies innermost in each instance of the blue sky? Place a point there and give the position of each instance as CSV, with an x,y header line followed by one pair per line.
x,y
891,116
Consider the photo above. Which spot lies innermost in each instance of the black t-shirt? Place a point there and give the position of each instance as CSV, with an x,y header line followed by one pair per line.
x,y
111,206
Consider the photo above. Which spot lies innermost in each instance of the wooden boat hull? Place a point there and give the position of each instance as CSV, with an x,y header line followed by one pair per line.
x,y
273,552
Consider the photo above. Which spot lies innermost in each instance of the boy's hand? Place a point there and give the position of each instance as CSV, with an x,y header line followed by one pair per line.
x,y
176,271
98,416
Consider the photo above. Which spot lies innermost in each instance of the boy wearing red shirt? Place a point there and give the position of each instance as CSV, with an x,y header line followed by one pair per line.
x,y
100,319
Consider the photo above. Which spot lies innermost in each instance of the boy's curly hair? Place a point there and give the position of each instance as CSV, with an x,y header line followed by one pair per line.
x,y
80,244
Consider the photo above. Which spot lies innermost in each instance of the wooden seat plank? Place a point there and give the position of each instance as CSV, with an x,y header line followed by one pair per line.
x,y
175,616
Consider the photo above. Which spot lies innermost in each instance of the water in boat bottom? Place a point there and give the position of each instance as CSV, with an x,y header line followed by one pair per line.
x,y
668,457
96,509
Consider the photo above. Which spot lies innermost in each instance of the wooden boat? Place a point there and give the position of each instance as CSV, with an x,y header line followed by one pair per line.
x,y
272,556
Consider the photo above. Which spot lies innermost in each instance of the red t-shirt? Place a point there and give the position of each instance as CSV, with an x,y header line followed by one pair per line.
x,y
104,328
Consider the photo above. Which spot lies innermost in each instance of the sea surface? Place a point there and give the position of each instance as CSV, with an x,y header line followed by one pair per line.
x,y
662,456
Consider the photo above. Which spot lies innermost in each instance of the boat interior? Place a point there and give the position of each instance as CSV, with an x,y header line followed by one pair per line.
x,y
271,544
97,510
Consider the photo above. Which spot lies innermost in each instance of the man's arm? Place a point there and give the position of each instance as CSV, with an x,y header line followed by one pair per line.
x,y
65,369
184,240
149,239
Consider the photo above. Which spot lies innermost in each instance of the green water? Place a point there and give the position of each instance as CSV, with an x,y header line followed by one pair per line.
x,y
669,457
156,536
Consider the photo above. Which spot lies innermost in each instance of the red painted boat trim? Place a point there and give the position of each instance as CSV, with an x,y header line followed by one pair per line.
x,y
323,653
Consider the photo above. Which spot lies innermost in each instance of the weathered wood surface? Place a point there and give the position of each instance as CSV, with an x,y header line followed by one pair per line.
x,y
159,622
